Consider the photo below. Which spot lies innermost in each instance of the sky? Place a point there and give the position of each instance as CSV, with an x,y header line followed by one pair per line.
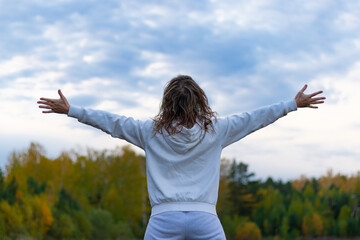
x,y
118,56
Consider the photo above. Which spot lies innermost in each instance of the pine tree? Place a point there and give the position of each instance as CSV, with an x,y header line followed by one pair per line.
x,y
242,189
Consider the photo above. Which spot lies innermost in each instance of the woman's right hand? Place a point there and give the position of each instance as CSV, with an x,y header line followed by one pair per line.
x,y
55,105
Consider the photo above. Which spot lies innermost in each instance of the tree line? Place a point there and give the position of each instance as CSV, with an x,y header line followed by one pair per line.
x,y
103,195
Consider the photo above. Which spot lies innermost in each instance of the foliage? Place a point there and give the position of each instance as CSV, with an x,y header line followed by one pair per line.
x,y
240,186
248,230
101,195
328,206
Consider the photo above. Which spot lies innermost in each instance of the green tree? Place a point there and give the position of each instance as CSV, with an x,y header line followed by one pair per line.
x,y
34,187
122,229
10,191
102,223
309,192
2,184
63,226
353,227
273,210
284,228
242,189
344,215
275,217
83,225
338,200
295,213
2,228
231,223
66,203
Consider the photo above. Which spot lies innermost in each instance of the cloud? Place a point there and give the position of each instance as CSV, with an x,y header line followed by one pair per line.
x,y
18,64
347,21
118,56
160,66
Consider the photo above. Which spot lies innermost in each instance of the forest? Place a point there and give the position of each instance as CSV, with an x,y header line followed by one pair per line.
x,y
103,195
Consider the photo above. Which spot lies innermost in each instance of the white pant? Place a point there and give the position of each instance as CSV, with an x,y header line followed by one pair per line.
x,y
184,226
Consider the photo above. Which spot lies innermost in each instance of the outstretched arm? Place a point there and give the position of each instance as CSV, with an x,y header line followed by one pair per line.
x,y
133,131
238,126
55,105
308,100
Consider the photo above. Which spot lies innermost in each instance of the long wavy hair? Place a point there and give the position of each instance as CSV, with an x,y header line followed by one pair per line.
x,y
184,104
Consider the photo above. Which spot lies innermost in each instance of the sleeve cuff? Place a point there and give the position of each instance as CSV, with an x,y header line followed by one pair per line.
x,y
292,106
74,111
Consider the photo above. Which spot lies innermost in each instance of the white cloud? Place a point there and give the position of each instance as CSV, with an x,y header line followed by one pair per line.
x,y
29,87
231,17
50,3
70,42
333,58
156,69
18,64
302,61
347,21
245,15
159,65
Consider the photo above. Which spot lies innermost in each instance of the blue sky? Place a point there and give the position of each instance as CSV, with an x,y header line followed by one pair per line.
x,y
118,55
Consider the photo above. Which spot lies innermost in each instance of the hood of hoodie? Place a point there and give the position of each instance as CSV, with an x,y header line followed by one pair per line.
x,y
185,140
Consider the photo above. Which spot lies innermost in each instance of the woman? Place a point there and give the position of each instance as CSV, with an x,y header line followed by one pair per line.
x,y
183,144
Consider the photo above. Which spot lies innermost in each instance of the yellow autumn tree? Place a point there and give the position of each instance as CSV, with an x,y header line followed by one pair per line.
x,y
125,173
299,184
306,225
223,203
318,225
12,219
37,215
312,225
248,231
114,203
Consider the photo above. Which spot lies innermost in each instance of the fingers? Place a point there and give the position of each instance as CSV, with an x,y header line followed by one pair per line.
x,y
47,103
47,99
45,106
315,93
314,101
50,111
311,106
63,98
44,102
61,95
303,89
317,100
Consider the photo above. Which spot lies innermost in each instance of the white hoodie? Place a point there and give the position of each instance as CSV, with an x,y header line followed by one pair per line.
x,y
183,170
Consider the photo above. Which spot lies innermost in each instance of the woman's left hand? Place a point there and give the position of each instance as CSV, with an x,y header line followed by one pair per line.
x,y
308,100
55,105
